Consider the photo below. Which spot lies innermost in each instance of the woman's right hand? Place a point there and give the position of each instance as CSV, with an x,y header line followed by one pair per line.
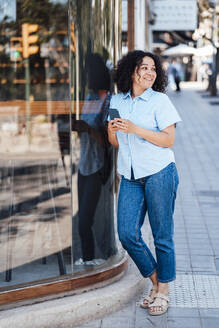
x,y
112,128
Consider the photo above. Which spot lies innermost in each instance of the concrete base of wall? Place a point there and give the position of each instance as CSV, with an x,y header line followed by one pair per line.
x,y
71,311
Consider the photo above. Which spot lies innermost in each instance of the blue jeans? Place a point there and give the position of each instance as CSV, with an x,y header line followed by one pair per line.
x,y
156,195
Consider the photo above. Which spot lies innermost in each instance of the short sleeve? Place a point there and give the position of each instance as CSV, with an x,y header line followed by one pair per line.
x,y
166,114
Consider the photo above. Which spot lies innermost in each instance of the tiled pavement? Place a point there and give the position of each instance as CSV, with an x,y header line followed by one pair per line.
x,y
195,294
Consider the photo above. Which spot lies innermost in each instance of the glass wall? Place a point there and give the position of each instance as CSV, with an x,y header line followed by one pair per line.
x,y
92,56
56,165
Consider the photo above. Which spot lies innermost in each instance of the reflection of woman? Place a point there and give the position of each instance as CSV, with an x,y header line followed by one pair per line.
x,y
144,135
90,170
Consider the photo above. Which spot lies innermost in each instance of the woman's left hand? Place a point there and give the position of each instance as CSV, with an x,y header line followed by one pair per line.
x,y
125,126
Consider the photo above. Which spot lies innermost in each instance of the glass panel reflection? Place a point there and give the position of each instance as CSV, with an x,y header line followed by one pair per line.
x,y
35,164
56,165
92,56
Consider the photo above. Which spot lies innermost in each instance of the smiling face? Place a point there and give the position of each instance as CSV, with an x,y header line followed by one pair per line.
x,y
144,75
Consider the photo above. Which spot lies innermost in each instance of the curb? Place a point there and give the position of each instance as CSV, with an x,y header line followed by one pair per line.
x,y
71,311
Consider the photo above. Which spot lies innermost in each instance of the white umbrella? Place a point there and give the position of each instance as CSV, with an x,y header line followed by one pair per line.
x,y
180,50
205,51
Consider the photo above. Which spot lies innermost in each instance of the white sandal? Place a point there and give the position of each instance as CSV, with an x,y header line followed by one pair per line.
x,y
161,301
148,299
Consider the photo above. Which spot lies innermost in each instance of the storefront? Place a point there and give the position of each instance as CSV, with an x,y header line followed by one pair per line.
x,y
57,217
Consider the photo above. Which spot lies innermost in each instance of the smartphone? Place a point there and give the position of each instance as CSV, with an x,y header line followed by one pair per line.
x,y
113,113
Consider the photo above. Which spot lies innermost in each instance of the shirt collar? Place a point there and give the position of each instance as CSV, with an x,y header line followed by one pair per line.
x,y
127,94
145,95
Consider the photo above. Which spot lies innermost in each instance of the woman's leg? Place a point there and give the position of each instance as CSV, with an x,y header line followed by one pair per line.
x,y
160,190
131,214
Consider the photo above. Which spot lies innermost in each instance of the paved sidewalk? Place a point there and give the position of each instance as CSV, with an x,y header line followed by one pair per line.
x,y
195,293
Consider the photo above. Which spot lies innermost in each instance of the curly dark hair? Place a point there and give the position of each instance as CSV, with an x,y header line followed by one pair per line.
x,y
126,67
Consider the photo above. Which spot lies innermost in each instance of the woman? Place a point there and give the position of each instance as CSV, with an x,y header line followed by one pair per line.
x,y
144,134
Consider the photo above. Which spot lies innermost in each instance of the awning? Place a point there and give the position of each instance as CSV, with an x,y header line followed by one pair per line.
x,y
180,50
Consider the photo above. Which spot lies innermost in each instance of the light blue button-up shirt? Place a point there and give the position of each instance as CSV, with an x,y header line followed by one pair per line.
x,y
151,110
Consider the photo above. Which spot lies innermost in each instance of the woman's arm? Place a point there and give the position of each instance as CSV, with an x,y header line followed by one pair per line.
x,y
112,128
164,138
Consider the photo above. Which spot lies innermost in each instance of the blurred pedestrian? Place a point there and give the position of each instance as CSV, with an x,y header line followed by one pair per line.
x,y
175,70
144,135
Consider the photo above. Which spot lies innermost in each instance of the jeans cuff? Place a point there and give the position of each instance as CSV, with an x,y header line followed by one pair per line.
x,y
166,281
148,275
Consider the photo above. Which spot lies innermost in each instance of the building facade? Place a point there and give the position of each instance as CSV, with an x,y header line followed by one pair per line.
x,y
57,172
137,20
